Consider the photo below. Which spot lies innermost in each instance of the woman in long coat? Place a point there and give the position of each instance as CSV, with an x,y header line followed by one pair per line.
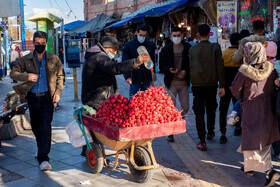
x,y
254,85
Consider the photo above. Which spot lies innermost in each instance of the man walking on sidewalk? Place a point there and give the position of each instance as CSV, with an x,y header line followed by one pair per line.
x,y
14,57
42,74
206,70
231,70
174,63
141,78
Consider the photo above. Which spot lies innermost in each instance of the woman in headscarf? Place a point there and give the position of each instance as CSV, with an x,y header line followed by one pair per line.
x,y
254,85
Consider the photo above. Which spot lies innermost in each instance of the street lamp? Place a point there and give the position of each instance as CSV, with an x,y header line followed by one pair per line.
x,y
188,28
179,25
161,35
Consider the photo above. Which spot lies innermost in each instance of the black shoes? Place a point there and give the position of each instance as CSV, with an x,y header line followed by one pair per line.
x,y
271,178
201,146
237,131
248,173
210,136
170,138
223,139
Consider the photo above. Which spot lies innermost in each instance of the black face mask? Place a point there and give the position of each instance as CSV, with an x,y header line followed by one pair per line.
x,y
40,48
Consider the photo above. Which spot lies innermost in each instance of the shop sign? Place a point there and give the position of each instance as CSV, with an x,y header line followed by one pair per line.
x,y
227,21
213,35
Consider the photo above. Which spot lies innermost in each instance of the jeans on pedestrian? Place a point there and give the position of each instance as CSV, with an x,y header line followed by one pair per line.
x,y
183,93
41,115
276,145
237,108
204,97
224,105
134,88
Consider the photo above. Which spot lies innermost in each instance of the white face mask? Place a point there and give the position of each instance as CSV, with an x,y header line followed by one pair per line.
x,y
176,40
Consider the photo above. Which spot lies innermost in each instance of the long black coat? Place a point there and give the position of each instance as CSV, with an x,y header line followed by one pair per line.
x,y
98,77
166,61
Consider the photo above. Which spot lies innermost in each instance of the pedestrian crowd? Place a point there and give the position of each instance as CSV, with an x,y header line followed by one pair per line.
x,y
247,73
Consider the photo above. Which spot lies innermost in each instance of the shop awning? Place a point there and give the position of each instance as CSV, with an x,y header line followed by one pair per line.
x,y
94,25
72,25
153,10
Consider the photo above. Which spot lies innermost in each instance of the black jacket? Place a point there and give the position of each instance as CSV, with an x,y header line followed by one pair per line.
x,y
98,77
142,75
166,61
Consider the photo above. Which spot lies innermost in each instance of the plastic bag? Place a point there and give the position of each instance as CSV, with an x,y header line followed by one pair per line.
x,y
76,136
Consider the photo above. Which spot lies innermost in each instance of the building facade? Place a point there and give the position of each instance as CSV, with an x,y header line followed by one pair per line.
x,y
116,7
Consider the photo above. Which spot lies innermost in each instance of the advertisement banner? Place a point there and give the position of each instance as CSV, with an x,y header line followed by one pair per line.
x,y
9,8
227,21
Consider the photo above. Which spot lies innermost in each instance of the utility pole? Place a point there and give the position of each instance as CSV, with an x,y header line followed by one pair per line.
x,y
22,25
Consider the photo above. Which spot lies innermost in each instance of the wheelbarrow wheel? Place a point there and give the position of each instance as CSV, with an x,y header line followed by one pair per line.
x,y
141,158
95,159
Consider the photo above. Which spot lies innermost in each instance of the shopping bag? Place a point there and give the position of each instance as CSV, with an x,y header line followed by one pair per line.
x,y
76,136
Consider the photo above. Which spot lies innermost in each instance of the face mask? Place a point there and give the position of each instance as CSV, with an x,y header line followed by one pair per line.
x,y
111,55
40,48
141,39
176,40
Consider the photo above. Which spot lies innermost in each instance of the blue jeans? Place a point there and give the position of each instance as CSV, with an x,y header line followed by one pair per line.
x,y
237,108
134,88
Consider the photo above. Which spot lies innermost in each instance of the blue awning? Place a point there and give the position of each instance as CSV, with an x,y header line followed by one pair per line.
x,y
72,25
94,25
153,10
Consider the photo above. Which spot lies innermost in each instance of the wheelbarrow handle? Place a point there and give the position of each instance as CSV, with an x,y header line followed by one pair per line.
x,y
82,127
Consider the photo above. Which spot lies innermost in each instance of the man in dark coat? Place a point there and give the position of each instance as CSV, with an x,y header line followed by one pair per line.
x,y
174,63
206,70
141,78
98,76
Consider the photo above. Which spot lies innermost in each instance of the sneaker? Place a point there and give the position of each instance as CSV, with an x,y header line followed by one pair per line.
x,y
248,173
276,158
223,139
45,166
232,119
170,138
271,178
210,136
237,131
201,146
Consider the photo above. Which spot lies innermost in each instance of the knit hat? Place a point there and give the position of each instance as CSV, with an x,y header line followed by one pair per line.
x,y
277,33
110,41
271,50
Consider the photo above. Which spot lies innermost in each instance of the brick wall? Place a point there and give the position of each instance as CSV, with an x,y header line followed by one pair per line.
x,y
118,7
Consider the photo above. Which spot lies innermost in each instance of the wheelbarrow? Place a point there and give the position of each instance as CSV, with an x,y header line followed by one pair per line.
x,y
129,142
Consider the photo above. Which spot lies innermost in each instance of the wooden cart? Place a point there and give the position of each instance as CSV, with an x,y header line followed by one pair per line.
x,y
129,142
